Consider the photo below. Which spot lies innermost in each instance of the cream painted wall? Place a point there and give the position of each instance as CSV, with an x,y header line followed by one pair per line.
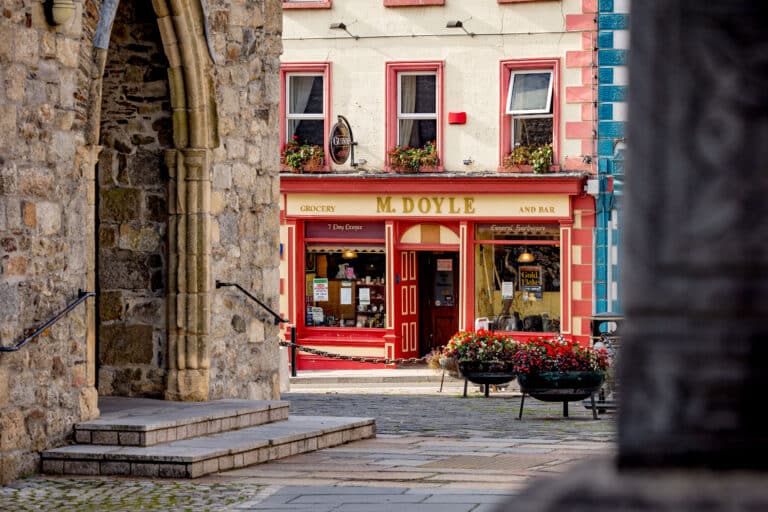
x,y
511,31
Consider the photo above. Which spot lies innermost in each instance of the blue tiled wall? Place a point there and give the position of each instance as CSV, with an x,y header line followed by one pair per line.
x,y
612,37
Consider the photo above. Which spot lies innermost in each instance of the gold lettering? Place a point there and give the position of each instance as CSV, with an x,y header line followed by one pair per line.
x,y
407,205
468,205
527,209
438,204
546,209
424,205
384,205
451,207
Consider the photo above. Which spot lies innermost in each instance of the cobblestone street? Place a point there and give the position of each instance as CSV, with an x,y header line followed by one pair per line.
x,y
432,452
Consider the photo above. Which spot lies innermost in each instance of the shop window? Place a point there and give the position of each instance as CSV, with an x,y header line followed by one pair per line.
x,y
517,277
305,104
530,114
345,286
414,105
307,4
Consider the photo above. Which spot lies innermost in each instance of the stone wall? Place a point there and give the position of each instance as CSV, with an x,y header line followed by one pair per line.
x,y
50,99
245,228
46,236
136,128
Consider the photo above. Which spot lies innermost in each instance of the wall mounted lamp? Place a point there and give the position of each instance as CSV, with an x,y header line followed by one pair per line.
x,y
342,26
459,24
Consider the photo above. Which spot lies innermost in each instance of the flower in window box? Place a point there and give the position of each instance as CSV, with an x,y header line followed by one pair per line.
x,y
302,157
529,158
406,159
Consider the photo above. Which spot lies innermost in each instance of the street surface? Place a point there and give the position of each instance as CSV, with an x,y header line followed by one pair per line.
x,y
433,452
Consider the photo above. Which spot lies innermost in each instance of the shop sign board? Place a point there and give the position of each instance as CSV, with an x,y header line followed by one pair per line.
x,y
340,141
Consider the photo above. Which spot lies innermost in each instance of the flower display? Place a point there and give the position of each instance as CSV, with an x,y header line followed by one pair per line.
x,y
539,355
538,157
480,345
408,159
297,155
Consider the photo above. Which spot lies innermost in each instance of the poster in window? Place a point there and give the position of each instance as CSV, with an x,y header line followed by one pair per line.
x,y
444,265
364,296
530,283
508,290
320,289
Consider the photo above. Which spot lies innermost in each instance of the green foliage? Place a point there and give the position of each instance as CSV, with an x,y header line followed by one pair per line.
x,y
408,159
296,155
538,157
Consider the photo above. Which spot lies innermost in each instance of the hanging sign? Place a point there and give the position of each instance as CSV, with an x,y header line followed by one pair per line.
x,y
340,141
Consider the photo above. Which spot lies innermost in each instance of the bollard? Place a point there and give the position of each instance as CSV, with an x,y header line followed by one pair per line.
x,y
293,351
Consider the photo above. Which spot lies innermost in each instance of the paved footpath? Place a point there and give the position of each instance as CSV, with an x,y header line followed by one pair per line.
x,y
433,452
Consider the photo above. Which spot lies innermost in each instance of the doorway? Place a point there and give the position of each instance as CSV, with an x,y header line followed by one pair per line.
x,y
438,298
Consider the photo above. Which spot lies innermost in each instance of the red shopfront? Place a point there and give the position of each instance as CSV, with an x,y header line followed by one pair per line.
x,y
393,266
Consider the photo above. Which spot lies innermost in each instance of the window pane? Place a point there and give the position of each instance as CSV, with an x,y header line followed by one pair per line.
x,y
306,95
515,295
531,131
310,131
417,132
345,292
418,94
530,92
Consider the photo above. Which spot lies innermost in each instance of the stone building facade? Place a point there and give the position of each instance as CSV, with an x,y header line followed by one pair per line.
x,y
138,160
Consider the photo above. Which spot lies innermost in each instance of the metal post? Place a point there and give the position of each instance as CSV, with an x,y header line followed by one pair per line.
x,y
293,350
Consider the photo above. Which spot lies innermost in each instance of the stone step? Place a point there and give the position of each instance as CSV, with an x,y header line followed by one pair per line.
x,y
146,422
192,458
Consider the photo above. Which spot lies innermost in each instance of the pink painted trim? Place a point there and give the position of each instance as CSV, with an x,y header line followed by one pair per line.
x,y
576,22
308,4
579,94
390,126
307,67
579,59
589,6
578,130
412,3
505,121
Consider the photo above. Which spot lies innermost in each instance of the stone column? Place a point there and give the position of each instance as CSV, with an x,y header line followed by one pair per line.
x,y
695,346
189,278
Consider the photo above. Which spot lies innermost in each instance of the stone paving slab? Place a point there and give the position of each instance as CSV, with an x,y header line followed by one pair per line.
x,y
146,422
192,458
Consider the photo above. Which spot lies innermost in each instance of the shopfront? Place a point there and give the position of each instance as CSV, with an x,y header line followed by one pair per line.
x,y
393,266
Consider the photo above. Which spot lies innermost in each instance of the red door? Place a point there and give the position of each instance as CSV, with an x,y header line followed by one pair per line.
x,y
409,312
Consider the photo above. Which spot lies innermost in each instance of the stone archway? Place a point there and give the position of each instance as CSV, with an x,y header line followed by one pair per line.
x,y
192,102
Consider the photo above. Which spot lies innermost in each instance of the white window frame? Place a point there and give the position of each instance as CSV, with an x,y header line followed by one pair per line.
x,y
532,112
414,115
302,116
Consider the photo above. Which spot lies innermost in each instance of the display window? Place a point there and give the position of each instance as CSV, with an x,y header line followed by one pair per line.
x,y
345,267
517,277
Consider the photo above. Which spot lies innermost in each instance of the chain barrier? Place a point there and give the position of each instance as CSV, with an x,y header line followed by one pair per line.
x,y
357,359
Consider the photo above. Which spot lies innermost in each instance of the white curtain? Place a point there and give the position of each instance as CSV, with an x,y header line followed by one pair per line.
x,y
407,106
301,89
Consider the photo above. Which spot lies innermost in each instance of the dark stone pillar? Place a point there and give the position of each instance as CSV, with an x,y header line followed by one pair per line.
x,y
695,346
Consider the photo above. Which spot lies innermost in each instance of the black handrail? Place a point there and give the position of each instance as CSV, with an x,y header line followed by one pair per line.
x,y
276,315
81,296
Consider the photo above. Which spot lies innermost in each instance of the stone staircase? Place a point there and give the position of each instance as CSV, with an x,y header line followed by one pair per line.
x,y
157,438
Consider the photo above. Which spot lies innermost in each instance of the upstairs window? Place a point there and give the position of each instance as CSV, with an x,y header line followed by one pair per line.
x,y
416,109
529,102
305,112
305,106
529,110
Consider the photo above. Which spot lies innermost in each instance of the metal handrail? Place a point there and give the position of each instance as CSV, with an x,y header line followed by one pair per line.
x,y
278,319
81,296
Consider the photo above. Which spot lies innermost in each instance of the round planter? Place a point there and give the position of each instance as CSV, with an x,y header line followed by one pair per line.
x,y
560,386
487,373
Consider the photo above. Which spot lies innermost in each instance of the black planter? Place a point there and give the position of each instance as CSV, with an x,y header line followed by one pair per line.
x,y
560,387
487,373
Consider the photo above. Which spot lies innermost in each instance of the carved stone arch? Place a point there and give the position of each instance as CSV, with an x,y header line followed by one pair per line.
x,y
192,94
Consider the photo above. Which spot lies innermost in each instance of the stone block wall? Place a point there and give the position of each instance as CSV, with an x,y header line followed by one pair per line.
x,y
53,104
46,235
244,199
136,129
